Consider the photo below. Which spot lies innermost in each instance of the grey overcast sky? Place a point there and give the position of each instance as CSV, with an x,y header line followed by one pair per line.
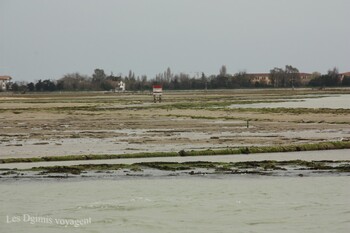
x,y
45,39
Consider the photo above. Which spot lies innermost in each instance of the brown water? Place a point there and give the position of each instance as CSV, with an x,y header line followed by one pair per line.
x,y
221,204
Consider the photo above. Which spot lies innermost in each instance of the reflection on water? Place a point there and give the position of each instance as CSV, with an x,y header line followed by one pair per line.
x,y
259,204
334,102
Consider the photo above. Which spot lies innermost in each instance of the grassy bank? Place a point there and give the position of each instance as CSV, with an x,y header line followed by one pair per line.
x,y
271,149
227,151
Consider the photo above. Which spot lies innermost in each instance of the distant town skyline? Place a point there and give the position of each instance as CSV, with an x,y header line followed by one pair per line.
x,y
47,39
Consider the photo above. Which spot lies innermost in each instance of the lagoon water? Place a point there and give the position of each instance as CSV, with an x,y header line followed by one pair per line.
x,y
312,101
179,204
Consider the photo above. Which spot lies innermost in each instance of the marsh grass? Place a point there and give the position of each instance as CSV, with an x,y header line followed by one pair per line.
x,y
78,169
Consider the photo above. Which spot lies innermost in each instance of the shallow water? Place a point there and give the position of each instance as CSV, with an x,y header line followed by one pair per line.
x,y
334,102
249,204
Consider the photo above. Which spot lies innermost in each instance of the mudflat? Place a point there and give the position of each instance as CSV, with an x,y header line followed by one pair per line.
x,y
83,123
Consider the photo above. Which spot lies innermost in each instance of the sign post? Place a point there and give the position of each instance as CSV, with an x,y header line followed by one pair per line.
x,y
157,93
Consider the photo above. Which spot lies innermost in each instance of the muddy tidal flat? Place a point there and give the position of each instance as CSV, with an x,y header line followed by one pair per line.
x,y
59,124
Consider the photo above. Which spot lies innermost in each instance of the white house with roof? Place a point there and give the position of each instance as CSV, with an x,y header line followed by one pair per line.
x,y
4,80
120,86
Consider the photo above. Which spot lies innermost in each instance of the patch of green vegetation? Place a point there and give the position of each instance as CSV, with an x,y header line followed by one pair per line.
x,y
267,164
175,166
21,160
326,122
203,117
88,157
60,169
9,172
165,166
343,168
78,169
270,149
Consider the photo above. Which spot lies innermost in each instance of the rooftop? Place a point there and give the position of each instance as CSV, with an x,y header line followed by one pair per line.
x,y
5,78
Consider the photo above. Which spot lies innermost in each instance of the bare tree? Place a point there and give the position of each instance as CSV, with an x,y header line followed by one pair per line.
x,y
292,76
277,76
334,76
75,81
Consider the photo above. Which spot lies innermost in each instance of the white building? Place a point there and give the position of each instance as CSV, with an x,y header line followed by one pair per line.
x,y
4,80
121,86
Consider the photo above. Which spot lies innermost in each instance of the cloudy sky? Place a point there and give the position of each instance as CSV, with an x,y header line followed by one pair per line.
x,y
42,39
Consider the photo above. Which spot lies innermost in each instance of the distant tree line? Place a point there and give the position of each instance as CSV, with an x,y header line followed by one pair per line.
x,y
100,81
331,79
